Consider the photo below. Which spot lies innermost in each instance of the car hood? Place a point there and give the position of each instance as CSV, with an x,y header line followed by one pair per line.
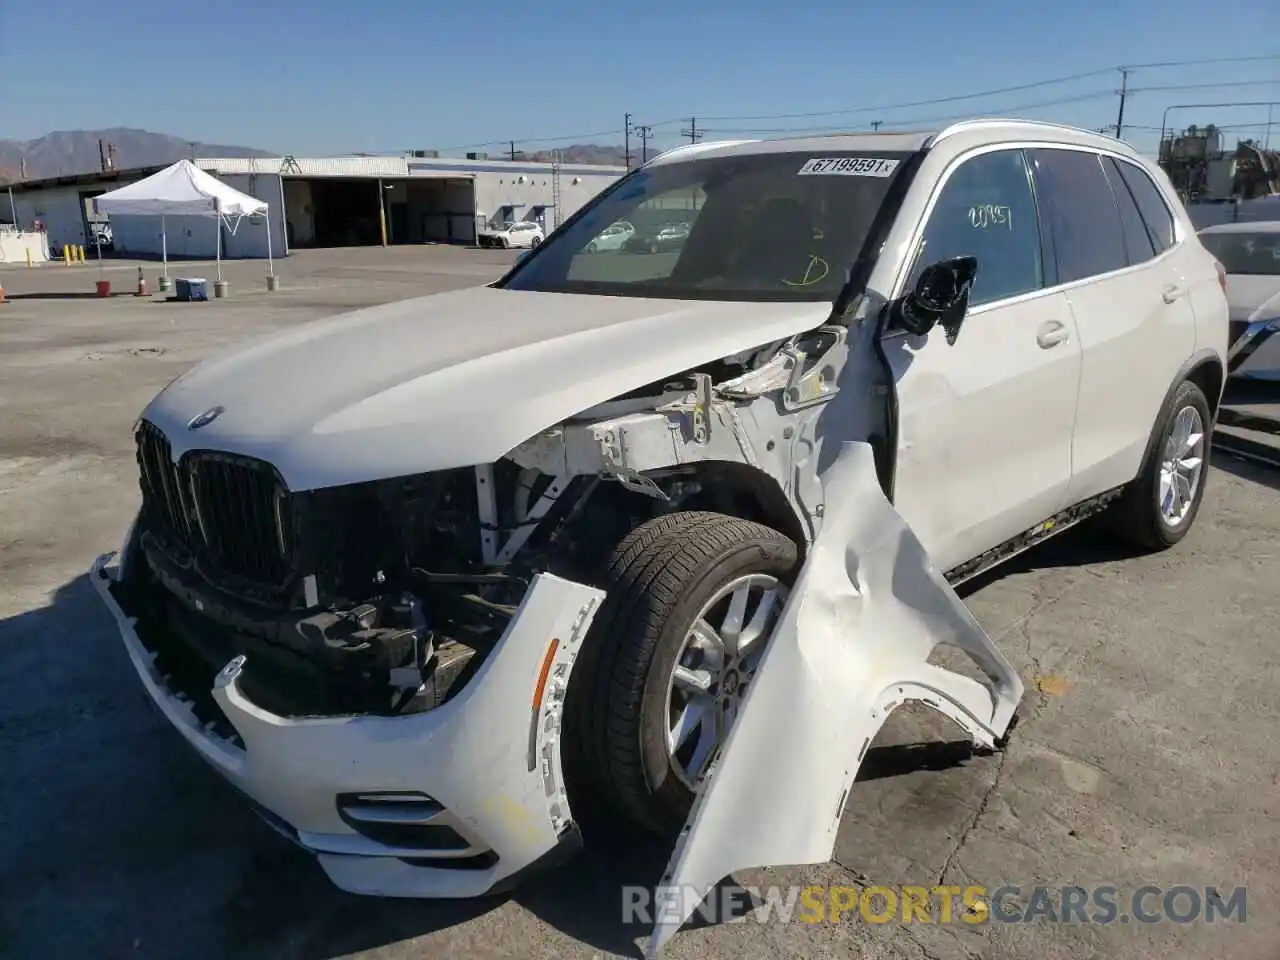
x,y
1253,297
449,380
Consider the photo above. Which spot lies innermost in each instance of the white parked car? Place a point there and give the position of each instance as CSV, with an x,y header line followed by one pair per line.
x,y
1250,253
612,237
525,233
669,539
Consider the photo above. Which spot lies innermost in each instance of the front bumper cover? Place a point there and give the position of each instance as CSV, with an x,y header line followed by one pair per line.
x,y
490,757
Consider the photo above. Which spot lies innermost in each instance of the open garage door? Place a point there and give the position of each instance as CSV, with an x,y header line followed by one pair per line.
x,y
324,212
432,210
332,213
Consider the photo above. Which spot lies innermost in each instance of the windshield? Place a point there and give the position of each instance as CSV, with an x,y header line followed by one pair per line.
x,y
770,226
1256,254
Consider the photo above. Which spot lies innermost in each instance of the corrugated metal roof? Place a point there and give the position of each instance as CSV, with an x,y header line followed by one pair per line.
x,y
463,168
112,178
389,166
307,166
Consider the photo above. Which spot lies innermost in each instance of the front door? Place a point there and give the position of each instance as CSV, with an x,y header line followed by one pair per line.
x,y
985,424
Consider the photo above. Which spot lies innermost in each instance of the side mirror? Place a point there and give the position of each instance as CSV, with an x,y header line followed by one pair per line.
x,y
941,297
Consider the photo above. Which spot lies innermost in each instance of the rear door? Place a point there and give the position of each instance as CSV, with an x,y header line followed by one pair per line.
x,y
985,424
1130,305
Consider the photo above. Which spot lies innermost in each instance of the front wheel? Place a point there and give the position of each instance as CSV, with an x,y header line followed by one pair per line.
x,y
692,601
533,244
1159,507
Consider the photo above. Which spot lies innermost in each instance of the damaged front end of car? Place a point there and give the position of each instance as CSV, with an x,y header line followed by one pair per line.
x,y
373,660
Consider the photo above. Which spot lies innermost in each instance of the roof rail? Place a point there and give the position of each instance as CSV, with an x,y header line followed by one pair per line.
x,y
696,148
978,123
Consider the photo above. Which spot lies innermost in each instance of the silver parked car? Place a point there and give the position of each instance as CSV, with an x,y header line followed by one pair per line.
x,y
1250,253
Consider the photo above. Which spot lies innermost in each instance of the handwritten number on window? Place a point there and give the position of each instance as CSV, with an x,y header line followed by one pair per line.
x,y
985,215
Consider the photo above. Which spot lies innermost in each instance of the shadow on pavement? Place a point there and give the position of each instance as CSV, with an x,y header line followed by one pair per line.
x,y
1080,546
1242,390
66,295
108,809
1246,470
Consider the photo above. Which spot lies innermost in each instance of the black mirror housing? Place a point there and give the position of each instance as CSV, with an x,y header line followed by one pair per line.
x,y
941,297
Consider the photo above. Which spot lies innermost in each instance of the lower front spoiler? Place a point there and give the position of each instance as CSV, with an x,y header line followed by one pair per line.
x,y
485,765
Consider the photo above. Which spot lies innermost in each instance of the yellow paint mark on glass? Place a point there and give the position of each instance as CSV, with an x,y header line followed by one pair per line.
x,y
815,272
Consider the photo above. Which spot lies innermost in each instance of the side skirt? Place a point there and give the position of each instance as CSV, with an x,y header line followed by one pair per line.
x,y
1037,535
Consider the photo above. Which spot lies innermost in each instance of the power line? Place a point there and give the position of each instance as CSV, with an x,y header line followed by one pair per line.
x,y
921,103
924,121
1257,124
1207,86
934,101
1017,88
1199,63
502,143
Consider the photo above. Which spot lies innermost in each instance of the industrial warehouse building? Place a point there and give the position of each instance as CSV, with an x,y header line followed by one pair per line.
x,y
324,202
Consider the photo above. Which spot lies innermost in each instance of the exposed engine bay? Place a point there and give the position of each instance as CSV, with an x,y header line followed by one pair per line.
x,y
385,597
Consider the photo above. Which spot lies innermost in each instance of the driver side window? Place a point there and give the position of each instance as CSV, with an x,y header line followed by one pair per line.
x,y
987,210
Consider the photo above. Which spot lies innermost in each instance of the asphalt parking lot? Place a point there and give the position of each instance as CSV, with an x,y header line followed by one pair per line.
x,y
1147,755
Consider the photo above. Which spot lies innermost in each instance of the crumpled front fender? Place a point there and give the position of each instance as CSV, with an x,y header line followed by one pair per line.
x,y
866,612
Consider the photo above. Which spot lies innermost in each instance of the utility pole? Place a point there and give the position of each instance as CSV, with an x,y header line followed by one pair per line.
x,y
626,136
693,133
644,133
513,149
875,126
1124,92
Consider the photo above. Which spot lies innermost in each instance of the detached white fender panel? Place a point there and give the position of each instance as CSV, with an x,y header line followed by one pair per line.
x,y
867,610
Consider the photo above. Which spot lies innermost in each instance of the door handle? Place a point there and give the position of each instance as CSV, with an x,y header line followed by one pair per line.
x,y
1052,334
1174,292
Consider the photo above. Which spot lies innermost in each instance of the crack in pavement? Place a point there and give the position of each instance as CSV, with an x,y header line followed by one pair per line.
x,y
976,819
865,882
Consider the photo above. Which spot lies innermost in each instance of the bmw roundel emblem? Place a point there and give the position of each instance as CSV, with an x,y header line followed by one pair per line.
x,y
206,418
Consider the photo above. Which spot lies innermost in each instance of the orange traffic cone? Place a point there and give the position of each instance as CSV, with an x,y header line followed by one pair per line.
x,y
142,284
1,292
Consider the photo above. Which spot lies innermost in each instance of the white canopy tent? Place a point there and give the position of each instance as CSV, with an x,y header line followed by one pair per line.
x,y
183,189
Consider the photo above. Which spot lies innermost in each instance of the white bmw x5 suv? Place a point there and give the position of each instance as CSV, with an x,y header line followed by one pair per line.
x,y
666,533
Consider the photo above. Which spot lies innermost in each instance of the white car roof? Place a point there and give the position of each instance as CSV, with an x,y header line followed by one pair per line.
x,y
1245,226
994,130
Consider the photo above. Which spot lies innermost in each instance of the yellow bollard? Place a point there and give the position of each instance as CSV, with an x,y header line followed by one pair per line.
x,y
29,263
66,254
81,249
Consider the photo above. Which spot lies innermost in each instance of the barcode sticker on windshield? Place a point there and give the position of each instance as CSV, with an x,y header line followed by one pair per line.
x,y
848,167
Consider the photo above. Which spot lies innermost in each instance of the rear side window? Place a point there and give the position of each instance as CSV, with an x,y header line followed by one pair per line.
x,y
1154,210
1136,239
1082,212
986,210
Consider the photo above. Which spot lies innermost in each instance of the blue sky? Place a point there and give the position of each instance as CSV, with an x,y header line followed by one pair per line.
x,y
332,76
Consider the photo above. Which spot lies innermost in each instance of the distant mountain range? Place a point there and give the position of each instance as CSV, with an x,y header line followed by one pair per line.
x,y
69,152
590,153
